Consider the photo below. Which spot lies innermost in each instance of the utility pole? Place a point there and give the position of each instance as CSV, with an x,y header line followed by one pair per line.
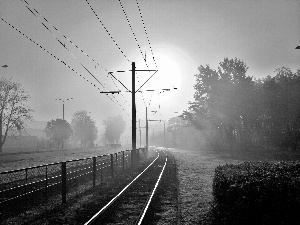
x,y
164,129
133,91
165,134
147,144
133,113
63,100
63,110
140,133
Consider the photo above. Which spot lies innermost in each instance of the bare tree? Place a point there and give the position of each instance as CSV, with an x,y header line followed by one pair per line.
x,y
13,109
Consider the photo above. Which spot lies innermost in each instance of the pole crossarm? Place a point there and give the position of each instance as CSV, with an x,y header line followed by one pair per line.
x,y
110,92
147,80
155,120
145,70
163,89
60,99
298,47
111,73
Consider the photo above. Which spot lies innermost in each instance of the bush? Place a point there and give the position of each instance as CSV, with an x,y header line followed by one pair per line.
x,y
257,193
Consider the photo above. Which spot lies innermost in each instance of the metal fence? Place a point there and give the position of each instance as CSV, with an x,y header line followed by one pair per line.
x,y
51,184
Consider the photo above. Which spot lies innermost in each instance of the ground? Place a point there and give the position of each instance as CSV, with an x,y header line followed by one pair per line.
x,y
12,160
195,173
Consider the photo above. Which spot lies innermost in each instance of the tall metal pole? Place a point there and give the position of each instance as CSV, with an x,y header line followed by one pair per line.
x,y
63,111
165,134
133,112
146,130
140,133
62,140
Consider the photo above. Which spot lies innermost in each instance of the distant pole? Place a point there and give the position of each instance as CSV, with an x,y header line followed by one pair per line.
x,y
140,133
63,110
165,133
63,117
153,134
62,140
133,110
147,144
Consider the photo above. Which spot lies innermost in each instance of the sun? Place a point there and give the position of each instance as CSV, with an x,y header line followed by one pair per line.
x,y
166,82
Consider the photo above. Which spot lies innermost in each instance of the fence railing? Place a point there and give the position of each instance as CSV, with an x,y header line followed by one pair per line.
x,y
51,184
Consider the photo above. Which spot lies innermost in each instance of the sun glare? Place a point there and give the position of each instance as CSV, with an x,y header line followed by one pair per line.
x,y
166,81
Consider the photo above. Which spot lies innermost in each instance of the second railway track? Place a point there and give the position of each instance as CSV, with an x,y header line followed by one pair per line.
x,y
130,206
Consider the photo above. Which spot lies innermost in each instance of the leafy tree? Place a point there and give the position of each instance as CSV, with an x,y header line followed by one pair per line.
x,y
85,130
175,127
13,109
223,102
58,130
236,110
114,127
282,108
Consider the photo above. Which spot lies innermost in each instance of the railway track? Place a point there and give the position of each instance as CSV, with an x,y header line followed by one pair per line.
x,y
130,206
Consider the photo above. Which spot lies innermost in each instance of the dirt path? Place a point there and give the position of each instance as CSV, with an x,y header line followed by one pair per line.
x,y
196,171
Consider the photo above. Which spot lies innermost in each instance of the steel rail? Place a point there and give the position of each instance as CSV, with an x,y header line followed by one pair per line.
x,y
152,194
117,196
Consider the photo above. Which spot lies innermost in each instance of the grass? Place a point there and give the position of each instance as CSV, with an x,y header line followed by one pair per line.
x,y
196,171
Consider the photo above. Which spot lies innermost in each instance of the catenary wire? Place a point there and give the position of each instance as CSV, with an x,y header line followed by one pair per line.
x,y
120,92
136,41
64,46
66,38
146,32
106,30
12,26
135,38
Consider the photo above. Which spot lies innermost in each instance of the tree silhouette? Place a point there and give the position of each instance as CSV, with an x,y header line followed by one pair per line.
x,y
114,127
58,130
13,109
175,127
236,110
85,130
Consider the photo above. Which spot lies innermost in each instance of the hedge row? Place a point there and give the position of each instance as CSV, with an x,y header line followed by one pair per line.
x,y
257,193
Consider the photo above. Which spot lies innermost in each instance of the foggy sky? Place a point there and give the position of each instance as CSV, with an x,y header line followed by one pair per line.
x,y
263,34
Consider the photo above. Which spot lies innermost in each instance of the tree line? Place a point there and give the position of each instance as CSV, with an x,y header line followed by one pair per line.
x,y
236,110
14,113
82,130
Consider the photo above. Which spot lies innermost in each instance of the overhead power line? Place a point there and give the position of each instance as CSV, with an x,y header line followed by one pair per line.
x,y
126,102
106,30
136,41
146,33
64,46
54,56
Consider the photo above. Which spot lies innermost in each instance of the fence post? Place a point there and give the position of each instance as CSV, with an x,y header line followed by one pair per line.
x,y
132,158
116,169
46,185
94,171
26,180
112,164
64,182
138,157
123,160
